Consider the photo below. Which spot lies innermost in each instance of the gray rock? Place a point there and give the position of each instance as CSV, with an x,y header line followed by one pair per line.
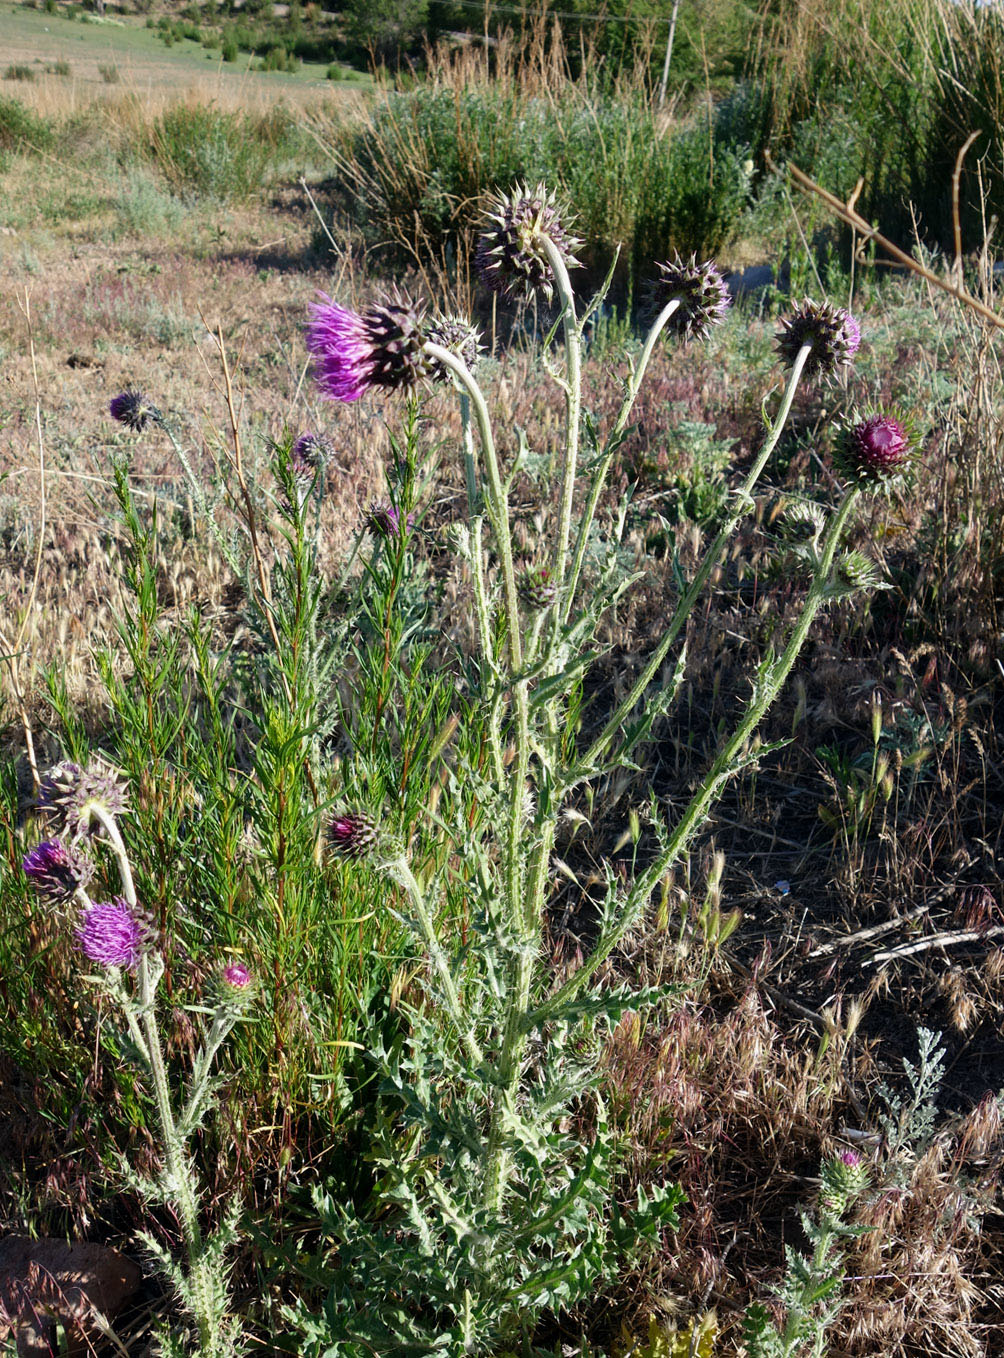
x,y
45,1281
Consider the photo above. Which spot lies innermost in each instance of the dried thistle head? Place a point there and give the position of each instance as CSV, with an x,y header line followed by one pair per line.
x,y
68,794
831,333
460,337
701,292
511,258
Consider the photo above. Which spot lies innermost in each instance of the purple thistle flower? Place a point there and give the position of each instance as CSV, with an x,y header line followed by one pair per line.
x,y
237,976
384,520
384,347
342,351
874,449
111,935
832,334
131,408
850,1158
351,834
56,871
701,292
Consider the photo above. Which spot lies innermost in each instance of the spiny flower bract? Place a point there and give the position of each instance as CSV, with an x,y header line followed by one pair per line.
x,y
67,794
511,258
308,455
536,588
832,334
56,870
131,408
456,334
111,935
700,290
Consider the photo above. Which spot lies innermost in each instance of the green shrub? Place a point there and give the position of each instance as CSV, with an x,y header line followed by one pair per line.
x,y
204,151
425,154
109,74
21,128
229,50
19,73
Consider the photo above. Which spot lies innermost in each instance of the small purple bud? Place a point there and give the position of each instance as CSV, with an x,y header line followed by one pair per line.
x,y
850,1158
309,454
875,449
110,934
237,976
383,520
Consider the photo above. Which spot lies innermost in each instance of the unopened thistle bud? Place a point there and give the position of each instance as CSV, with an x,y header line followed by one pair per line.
x,y
854,571
456,334
68,794
351,834
802,523
701,292
309,454
57,870
536,589
844,1179
133,409
872,451
383,347
511,258
112,935
832,334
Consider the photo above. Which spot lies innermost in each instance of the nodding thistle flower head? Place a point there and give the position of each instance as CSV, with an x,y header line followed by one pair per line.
x,y
701,292
536,588
832,334
383,347
461,338
383,520
309,454
351,834
131,408
56,870
111,934
873,450
511,257
68,794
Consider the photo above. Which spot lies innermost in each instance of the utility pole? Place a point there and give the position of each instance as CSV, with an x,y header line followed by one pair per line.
x,y
669,53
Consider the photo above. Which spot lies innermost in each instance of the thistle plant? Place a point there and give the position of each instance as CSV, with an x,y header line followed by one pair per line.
x,y
82,807
809,1294
495,1168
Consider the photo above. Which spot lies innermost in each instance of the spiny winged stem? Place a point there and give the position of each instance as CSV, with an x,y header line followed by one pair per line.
x,y
573,403
725,765
610,447
711,558
178,1170
403,875
499,510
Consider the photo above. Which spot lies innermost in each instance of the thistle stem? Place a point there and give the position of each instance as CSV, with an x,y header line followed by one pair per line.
x,y
610,447
724,766
499,505
403,875
711,558
573,406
